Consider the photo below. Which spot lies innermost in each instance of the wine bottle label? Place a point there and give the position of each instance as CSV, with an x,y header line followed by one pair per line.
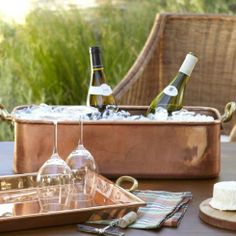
x,y
188,64
103,89
171,91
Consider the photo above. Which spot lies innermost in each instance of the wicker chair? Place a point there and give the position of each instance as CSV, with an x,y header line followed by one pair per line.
x,y
211,37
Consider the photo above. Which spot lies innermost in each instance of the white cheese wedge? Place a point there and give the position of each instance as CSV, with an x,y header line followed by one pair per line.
x,y
224,196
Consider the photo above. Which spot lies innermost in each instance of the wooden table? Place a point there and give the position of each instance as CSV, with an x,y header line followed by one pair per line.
x,y
190,225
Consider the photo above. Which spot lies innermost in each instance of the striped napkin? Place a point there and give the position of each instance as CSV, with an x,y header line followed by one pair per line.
x,y
162,209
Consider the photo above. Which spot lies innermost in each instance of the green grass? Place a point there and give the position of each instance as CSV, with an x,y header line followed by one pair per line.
x,y
46,60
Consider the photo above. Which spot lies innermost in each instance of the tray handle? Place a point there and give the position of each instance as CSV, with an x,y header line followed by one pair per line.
x,y
126,178
228,112
4,114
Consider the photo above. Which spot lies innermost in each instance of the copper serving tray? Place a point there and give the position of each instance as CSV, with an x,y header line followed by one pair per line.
x,y
143,149
19,204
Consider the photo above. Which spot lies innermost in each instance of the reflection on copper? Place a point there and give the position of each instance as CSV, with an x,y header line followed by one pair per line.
x,y
19,201
26,208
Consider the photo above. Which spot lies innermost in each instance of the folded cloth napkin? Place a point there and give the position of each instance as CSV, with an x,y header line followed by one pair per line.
x,y
162,209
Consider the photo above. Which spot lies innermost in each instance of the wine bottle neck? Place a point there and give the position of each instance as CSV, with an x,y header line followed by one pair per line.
x,y
96,60
188,64
97,72
180,81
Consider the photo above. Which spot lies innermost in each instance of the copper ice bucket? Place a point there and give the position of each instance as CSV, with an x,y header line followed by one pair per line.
x,y
143,149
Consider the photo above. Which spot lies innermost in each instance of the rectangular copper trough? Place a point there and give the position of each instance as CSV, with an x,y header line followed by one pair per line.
x,y
143,149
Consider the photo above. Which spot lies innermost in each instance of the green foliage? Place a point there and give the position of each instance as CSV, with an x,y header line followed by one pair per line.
x,y
46,60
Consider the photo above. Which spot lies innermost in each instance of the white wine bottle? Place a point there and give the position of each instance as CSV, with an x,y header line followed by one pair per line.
x,y
171,98
99,93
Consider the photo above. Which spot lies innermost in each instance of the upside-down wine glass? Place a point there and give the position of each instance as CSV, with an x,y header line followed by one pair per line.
x,y
54,180
84,170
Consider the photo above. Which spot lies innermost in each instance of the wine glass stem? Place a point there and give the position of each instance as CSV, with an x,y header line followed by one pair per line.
x,y
55,137
81,131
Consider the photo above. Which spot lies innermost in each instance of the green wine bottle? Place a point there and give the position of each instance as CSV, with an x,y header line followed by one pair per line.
x,y
99,93
171,98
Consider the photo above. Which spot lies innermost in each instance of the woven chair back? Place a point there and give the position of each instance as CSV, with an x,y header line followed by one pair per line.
x,y
212,38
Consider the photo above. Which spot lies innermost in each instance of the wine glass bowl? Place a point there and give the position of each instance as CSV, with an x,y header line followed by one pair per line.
x,y
80,160
54,185
83,167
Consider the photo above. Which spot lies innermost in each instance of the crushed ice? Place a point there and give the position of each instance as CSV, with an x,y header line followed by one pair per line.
x,y
75,113
46,112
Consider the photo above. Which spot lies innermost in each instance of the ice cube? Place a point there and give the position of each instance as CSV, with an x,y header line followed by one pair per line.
x,y
161,114
95,116
109,112
183,112
151,116
137,117
190,116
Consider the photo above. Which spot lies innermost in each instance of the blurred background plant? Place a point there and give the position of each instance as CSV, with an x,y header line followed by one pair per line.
x,y
44,58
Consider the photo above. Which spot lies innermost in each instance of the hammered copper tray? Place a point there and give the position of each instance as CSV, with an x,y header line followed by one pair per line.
x,y
19,204
142,149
